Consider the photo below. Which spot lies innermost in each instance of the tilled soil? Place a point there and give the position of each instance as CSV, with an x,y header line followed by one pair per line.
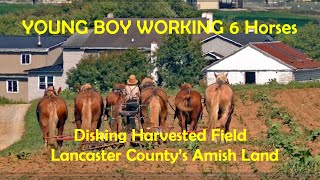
x,y
302,104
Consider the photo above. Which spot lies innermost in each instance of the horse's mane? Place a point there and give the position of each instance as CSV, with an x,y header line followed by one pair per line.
x,y
50,92
87,87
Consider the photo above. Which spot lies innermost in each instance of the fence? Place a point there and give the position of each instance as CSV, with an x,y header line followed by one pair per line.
x,y
263,3
269,4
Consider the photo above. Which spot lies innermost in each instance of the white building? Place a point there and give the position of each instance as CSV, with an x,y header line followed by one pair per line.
x,y
259,63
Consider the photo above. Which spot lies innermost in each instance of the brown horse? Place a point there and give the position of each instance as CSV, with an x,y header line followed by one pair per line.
x,y
88,108
52,113
154,105
114,101
188,107
219,103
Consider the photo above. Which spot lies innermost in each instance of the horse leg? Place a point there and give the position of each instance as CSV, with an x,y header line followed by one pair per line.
x,y
60,132
226,118
163,119
45,134
183,121
194,121
94,124
193,124
114,122
180,121
77,117
119,123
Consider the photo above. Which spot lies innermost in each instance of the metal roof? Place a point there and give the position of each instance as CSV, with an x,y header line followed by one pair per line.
x,y
288,55
240,39
29,43
77,40
133,39
53,68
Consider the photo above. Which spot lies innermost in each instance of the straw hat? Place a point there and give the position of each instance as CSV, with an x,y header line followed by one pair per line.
x,y
132,80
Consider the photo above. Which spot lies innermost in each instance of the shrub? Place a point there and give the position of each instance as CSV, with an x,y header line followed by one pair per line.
x,y
179,60
103,70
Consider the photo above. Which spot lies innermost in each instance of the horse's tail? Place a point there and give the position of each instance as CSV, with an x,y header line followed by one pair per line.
x,y
86,114
175,113
155,110
214,113
53,121
107,110
183,105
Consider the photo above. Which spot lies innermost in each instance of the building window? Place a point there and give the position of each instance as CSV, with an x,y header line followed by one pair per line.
x,y
12,86
25,59
250,77
45,82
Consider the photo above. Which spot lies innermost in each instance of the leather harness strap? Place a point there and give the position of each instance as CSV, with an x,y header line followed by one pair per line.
x,y
131,95
155,93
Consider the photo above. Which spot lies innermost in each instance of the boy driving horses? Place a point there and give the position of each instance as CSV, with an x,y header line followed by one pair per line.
x,y
132,100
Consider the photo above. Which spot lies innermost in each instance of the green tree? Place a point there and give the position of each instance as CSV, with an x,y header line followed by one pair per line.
x,y
306,39
179,60
104,70
10,22
183,9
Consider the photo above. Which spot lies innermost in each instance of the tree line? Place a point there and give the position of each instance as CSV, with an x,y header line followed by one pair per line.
x,y
89,11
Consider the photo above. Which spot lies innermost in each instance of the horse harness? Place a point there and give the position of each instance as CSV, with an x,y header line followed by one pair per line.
x,y
149,85
118,90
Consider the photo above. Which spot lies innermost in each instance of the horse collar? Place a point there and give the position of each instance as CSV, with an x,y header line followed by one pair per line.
x,y
50,90
147,85
117,90
89,90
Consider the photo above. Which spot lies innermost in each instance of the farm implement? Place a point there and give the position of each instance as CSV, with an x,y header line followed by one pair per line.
x,y
87,144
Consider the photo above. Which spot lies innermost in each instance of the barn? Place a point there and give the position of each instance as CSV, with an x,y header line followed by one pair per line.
x,y
259,63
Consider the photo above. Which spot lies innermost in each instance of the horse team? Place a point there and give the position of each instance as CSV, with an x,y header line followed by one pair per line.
x,y
88,108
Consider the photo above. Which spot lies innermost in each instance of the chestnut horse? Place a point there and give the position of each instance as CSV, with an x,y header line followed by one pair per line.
x,y
114,102
154,105
219,103
52,113
188,107
88,108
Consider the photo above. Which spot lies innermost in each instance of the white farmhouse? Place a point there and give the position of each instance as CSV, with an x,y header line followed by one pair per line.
x,y
259,63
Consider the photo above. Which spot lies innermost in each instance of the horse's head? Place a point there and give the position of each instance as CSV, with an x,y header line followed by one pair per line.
x,y
147,82
86,87
222,78
50,91
185,86
119,88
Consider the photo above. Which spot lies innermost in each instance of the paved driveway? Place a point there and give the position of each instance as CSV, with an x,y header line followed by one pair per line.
x,y
11,123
